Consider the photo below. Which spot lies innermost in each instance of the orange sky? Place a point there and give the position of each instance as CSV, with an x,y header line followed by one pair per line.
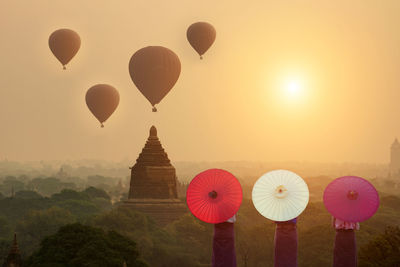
x,y
230,106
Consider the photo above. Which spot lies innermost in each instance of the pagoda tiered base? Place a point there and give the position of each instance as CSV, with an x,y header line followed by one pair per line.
x,y
163,211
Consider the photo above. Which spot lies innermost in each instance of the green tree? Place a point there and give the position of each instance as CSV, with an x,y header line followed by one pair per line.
x,y
5,246
100,181
99,197
254,244
38,224
134,225
81,209
192,237
27,194
68,194
382,251
11,184
180,244
50,185
78,203
80,245
5,228
93,192
15,208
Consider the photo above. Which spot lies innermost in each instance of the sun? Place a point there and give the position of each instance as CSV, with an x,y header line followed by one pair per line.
x,y
293,89
288,90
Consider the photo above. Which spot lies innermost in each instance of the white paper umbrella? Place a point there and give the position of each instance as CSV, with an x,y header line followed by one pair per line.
x,y
280,195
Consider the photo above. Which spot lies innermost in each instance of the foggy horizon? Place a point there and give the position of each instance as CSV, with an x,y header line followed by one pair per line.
x,y
123,160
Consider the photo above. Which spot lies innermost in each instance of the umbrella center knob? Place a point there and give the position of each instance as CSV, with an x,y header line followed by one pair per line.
x,y
352,195
213,194
281,192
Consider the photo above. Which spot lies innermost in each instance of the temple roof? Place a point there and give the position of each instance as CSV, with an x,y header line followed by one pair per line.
x,y
153,153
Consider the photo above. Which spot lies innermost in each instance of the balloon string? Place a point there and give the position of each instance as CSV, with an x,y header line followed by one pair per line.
x,y
64,68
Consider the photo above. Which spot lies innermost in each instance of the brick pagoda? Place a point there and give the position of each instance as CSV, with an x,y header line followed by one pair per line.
x,y
153,183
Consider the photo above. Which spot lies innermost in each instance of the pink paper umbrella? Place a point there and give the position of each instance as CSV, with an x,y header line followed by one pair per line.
x,y
214,196
351,199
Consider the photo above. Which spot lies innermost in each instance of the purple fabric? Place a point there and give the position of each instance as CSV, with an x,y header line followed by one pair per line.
x,y
285,244
290,221
224,254
345,250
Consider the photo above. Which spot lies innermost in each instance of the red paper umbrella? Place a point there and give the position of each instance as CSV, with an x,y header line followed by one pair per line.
x,y
214,196
351,199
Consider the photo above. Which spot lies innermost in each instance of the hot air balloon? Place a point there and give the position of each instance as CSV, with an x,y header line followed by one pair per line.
x,y
64,44
154,70
201,35
102,100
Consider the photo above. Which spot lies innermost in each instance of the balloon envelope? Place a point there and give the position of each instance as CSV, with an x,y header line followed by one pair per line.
x,y
64,44
154,70
351,199
214,196
201,35
280,195
102,100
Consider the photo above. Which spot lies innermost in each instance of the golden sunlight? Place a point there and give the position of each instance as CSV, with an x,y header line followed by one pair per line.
x,y
293,89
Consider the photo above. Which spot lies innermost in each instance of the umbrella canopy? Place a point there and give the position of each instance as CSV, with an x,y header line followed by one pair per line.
x,y
214,196
280,195
351,199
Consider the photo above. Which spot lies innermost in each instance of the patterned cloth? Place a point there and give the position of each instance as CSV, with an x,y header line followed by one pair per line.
x,y
224,254
286,244
339,224
232,219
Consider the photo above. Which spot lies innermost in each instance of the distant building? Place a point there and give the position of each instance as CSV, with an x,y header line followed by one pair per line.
x,y
61,173
394,166
153,183
14,257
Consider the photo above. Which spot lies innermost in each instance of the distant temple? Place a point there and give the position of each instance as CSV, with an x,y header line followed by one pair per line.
x,y
61,173
394,166
153,183
14,257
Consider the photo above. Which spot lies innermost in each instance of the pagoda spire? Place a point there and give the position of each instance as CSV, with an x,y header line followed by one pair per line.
x,y
153,175
153,154
153,131
14,256
14,247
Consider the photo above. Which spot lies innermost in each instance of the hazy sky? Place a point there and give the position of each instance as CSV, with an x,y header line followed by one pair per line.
x,y
344,56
